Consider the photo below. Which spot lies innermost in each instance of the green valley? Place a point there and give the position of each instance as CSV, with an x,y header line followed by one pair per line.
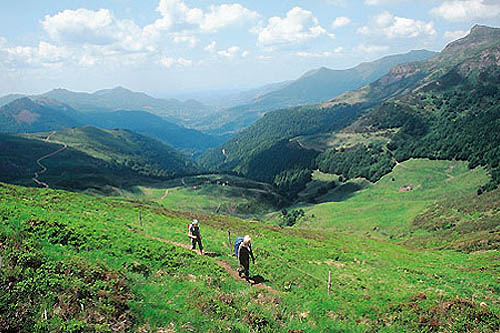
x,y
377,210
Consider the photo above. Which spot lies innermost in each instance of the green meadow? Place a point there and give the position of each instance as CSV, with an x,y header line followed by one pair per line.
x,y
99,267
382,208
212,194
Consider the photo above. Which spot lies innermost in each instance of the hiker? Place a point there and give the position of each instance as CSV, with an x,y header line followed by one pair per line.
x,y
244,254
194,234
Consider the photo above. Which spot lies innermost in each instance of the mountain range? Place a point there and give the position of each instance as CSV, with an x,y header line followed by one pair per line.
x,y
120,98
45,114
313,87
443,107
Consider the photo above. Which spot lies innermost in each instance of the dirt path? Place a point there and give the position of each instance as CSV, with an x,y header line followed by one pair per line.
x,y
221,263
43,167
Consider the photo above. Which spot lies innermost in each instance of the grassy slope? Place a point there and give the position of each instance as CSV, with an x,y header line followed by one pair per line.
x,y
375,285
381,205
216,194
95,158
467,223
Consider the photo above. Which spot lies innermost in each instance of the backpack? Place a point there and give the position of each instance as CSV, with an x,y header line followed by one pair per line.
x,y
237,243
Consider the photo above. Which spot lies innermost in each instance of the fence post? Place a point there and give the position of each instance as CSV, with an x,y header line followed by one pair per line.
x,y
229,241
140,219
329,281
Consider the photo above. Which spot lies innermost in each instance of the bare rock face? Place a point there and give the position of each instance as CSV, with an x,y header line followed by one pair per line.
x,y
400,72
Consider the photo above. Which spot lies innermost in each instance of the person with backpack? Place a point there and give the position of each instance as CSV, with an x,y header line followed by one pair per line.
x,y
195,235
244,255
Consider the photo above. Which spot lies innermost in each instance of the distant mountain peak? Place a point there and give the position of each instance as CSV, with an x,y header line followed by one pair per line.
x,y
116,90
316,71
480,29
479,34
23,102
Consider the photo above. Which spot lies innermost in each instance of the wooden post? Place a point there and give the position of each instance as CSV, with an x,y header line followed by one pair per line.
x,y
229,241
329,281
140,219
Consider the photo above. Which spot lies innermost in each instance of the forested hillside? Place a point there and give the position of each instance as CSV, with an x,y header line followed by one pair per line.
x,y
444,108
94,158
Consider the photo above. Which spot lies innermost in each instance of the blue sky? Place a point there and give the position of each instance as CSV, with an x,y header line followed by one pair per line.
x,y
174,47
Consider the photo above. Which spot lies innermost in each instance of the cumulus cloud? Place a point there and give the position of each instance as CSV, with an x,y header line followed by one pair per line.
x,y
467,10
210,47
340,22
382,2
184,62
168,62
226,15
392,27
177,13
298,25
44,54
324,54
453,35
230,52
83,26
190,40
338,3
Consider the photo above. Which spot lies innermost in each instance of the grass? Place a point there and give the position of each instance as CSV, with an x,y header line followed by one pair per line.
x,y
376,285
341,139
212,194
381,206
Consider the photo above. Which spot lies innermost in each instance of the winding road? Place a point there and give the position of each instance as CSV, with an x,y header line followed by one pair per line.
x,y
43,167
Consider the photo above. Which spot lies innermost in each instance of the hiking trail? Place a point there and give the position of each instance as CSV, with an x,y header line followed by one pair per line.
x,y
221,263
44,168
164,194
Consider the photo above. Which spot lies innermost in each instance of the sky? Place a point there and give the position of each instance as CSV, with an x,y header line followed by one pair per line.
x,y
179,47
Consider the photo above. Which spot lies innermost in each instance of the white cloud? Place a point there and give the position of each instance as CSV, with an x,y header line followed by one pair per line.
x,y
44,54
87,27
184,62
298,25
88,61
363,48
453,35
382,2
210,47
304,54
226,15
340,22
168,62
50,52
392,26
338,3
339,49
245,54
177,13
190,40
467,10
232,52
